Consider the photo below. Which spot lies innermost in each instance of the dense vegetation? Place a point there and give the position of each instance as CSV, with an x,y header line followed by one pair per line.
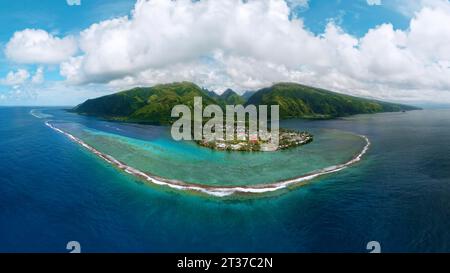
x,y
229,97
147,105
154,104
300,101
248,94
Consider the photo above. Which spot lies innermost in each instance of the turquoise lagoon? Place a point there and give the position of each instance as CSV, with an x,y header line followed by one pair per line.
x,y
188,162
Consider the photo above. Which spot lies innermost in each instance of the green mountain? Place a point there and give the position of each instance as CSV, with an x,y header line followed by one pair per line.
x,y
154,104
248,95
146,105
211,94
229,97
300,101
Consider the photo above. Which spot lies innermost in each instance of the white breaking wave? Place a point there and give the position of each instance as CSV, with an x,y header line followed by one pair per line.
x,y
216,190
38,114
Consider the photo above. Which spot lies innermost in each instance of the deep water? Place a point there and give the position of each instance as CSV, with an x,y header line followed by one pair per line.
x,y
53,191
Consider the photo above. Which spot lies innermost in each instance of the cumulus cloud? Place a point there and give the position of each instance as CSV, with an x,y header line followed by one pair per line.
x,y
22,77
38,76
14,78
38,46
251,44
20,87
161,33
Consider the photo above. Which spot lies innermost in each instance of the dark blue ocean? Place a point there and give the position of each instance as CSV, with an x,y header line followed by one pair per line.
x,y
52,191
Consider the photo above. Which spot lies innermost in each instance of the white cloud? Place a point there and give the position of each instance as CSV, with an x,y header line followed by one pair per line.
x,y
14,78
22,77
409,8
38,77
248,45
162,33
373,2
22,86
38,46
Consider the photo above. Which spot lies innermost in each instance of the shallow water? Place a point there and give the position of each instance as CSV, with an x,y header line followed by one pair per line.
x,y
188,162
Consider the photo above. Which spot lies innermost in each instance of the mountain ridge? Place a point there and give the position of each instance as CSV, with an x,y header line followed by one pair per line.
x,y
154,104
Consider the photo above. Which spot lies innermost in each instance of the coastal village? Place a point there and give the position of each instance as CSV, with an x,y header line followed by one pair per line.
x,y
287,139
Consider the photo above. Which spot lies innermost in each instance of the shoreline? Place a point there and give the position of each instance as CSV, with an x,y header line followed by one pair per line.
x,y
216,191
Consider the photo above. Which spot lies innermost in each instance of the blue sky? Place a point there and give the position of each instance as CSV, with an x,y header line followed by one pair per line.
x,y
57,15
355,17
327,24
54,16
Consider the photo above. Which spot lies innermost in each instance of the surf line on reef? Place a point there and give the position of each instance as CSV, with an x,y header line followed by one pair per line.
x,y
215,190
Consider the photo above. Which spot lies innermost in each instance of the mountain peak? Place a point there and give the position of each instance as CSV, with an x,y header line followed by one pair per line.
x,y
229,92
